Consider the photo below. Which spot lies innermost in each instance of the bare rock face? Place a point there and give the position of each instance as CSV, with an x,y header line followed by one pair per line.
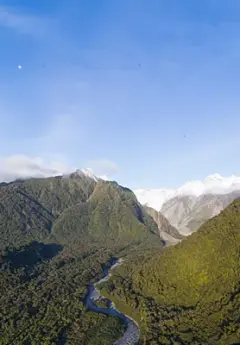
x,y
167,231
190,205
188,213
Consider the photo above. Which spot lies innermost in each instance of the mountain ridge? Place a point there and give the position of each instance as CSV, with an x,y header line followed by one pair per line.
x,y
212,184
188,213
56,236
167,231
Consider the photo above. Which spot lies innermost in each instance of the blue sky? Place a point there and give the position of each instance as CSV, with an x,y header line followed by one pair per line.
x,y
146,92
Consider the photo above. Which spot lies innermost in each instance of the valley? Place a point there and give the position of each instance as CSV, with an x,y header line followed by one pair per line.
x,y
132,331
57,234
60,240
191,293
119,172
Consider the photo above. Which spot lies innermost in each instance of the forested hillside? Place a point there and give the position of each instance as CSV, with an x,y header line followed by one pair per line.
x,y
57,234
112,217
29,208
190,294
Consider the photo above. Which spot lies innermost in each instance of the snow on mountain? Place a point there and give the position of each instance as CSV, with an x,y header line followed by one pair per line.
x,y
212,184
154,198
90,173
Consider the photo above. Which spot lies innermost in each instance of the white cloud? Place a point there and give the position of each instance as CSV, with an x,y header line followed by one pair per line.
x,y
215,184
104,177
21,166
103,167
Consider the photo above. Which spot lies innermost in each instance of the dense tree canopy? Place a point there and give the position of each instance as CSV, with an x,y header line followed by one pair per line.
x,y
190,294
56,236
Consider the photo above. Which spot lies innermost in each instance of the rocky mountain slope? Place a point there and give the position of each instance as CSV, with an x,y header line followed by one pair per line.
x,y
212,184
188,213
192,204
190,294
167,231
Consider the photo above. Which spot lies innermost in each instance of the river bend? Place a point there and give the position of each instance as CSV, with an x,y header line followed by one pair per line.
x,y
132,333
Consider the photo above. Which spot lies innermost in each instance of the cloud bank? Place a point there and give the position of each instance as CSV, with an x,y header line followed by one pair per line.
x,y
21,166
103,167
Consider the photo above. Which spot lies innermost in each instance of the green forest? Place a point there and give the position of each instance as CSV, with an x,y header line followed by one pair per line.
x,y
190,294
58,234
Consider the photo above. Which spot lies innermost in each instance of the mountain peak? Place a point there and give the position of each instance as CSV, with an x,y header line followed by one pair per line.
x,y
90,173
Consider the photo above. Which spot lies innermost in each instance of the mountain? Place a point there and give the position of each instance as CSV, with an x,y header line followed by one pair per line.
x,y
110,216
167,232
188,213
190,294
29,208
213,184
80,205
189,206
57,235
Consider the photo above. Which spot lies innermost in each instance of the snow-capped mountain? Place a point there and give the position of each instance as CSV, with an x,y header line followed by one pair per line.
x,y
188,212
89,173
190,205
213,184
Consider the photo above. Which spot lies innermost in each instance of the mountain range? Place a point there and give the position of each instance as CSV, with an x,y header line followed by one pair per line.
x,y
79,207
212,184
190,205
58,234
188,213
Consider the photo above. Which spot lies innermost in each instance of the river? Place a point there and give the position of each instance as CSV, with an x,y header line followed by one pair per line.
x,y
132,333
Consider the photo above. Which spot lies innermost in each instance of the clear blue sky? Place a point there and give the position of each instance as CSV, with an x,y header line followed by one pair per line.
x,y
146,92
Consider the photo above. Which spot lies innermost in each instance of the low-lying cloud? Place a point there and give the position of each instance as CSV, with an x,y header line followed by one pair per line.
x,y
103,167
21,166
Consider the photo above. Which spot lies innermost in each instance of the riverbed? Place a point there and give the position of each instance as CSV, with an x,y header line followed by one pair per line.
x,y
132,333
